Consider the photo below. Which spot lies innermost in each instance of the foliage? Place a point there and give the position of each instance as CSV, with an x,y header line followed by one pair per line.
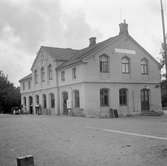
x,y
9,94
164,93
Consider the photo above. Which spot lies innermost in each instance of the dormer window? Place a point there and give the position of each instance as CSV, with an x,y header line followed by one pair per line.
x,y
125,65
104,63
144,66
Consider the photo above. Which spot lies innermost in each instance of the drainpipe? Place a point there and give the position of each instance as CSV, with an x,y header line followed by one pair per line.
x,y
58,93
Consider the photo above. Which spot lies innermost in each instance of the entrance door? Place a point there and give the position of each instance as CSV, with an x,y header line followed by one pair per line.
x,y
145,105
65,98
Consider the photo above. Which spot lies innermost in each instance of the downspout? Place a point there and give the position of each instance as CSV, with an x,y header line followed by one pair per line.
x,y
58,93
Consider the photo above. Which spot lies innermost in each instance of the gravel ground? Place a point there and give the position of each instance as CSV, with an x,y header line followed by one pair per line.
x,y
68,141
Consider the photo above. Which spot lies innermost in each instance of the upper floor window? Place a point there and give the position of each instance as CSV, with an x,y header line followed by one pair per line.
x,y
104,63
50,72
29,84
36,76
123,96
144,66
74,73
63,75
104,97
23,85
42,74
125,65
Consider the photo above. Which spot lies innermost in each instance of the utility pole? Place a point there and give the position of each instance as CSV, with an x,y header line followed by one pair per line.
x,y
164,37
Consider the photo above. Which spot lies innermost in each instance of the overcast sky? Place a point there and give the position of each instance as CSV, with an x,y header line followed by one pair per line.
x,y
25,25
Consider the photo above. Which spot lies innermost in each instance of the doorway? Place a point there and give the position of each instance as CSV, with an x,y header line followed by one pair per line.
x,y
145,100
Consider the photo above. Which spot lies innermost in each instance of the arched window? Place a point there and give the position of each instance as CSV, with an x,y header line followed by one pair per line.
x,y
104,63
44,101
52,100
76,98
36,76
144,66
104,97
42,74
123,96
125,65
50,72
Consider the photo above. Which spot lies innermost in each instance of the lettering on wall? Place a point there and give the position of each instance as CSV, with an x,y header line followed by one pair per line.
x,y
125,51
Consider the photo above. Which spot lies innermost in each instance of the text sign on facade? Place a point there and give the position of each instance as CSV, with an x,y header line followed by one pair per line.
x,y
125,51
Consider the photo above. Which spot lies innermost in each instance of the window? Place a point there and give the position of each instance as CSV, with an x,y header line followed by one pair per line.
x,y
104,97
74,73
50,72
123,96
52,100
63,75
36,76
76,98
24,101
104,63
42,74
125,65
37,99
23,85
29,84
44,101
144,66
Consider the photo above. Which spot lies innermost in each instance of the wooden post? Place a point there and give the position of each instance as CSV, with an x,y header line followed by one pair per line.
x,y
25,161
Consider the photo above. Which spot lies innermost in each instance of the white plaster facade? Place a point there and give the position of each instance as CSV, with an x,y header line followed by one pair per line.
x,y
89,79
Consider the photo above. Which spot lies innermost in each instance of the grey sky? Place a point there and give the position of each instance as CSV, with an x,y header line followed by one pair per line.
x,y
25,25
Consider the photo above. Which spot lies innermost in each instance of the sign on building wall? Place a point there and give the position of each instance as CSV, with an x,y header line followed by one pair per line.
x,y
125,51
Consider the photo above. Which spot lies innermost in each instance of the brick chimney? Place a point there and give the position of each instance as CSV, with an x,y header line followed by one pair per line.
x,y
123,28
92,41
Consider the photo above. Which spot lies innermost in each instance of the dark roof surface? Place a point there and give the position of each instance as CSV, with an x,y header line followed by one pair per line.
x,y
26,77
79,55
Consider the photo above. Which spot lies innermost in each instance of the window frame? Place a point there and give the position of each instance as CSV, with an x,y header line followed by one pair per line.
x,y
63,75
104,65
123,97
42,74
104,97
36,76
125,66
76,96
50,72
74,76
144,66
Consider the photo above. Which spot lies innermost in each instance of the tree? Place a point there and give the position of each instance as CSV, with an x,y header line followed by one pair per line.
x,y
9,94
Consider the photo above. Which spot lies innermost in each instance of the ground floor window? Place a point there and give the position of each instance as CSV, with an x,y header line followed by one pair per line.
x,y
52,100
123,97
104,97
76,98
37,99
24,101
44,101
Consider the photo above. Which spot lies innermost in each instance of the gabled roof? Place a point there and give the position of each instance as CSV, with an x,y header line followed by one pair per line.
x,y
29,76
63,54
88,51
